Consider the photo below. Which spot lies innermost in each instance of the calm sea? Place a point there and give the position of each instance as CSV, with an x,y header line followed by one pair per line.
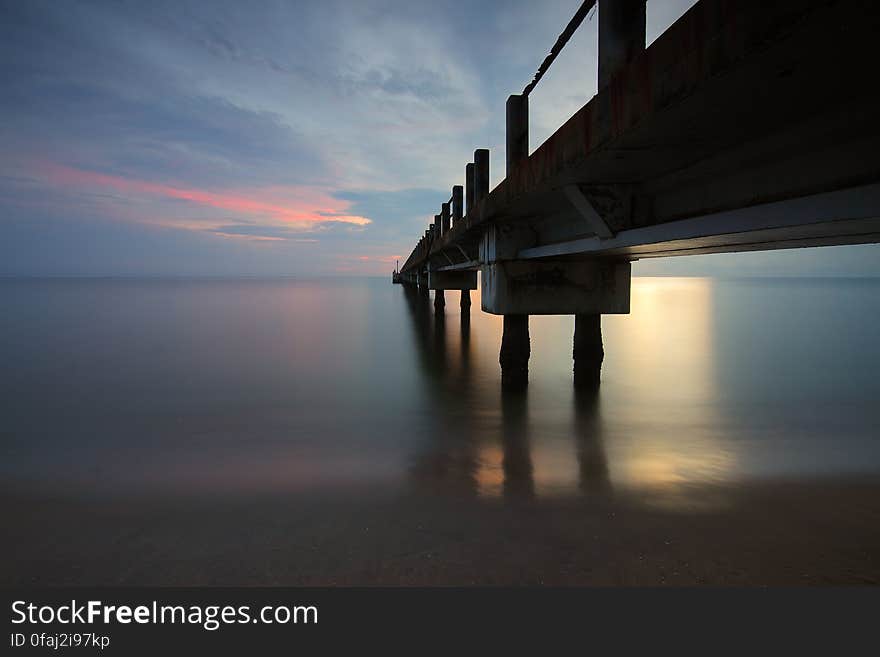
x,y
303,385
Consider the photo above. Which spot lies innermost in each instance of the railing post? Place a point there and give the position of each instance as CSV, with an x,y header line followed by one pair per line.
x,y
444,218
469,188
481,174
517,130
621,35
457,212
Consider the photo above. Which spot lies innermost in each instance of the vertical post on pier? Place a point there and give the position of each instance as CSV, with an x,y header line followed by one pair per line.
x,y
621,35
517,130
439,301
444,218
457,203
481,174
515,342
465,299
469,188
588,352
436,226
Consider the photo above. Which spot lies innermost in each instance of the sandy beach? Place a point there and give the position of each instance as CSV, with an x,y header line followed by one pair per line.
x,y
783,533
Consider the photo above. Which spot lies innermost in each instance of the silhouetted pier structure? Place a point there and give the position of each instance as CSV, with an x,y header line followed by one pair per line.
x,y
745,126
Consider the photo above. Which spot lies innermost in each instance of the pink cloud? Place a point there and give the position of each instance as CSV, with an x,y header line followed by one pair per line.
x,y
300,206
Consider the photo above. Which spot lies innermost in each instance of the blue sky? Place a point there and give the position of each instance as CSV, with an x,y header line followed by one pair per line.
x,y
262,138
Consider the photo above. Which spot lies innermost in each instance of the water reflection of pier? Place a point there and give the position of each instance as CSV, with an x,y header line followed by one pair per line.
x,y
478,441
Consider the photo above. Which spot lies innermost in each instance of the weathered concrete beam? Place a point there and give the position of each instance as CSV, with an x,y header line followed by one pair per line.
x,y
847,216
467,265
452,280
556,287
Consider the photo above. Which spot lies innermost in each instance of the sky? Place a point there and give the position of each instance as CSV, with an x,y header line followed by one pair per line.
x,y
224,138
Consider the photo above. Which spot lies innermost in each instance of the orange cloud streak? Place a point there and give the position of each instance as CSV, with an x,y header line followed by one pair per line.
x,y
299,205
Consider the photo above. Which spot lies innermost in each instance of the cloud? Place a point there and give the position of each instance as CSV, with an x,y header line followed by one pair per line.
x,y
251,129
268,233
302,208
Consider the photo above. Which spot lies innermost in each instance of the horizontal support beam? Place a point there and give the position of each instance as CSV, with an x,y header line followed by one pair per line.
x,y
470,265
452,280
562,287
848,216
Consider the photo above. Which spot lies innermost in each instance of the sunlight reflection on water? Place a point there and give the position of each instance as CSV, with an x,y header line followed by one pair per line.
x,y
297,385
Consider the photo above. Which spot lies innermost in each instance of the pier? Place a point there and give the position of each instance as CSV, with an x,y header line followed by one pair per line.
x,y
744,126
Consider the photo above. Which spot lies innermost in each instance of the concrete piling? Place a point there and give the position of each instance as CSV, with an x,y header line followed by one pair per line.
x,y
466,299
587,352
515,351
439,301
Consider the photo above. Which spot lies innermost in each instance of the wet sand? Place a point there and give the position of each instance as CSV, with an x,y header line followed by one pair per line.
x,y
784,533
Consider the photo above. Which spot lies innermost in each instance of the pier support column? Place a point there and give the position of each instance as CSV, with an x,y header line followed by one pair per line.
x,y
465,298
588,352
515,351
452,280
439,300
